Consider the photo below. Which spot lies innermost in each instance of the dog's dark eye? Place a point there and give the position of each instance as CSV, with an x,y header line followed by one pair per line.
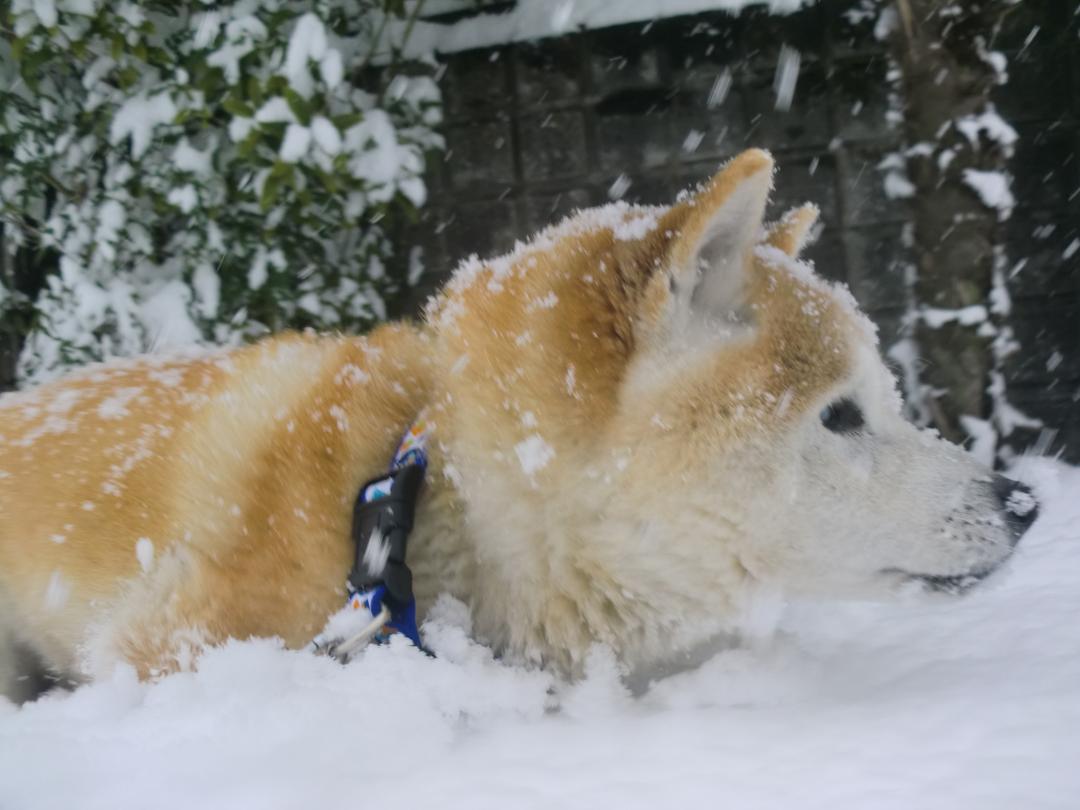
x,y
842,416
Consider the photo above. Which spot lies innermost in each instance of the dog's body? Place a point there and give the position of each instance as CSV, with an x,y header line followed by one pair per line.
x,y
626,446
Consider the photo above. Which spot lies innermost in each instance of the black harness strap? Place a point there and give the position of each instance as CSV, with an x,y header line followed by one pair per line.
x,y
383,514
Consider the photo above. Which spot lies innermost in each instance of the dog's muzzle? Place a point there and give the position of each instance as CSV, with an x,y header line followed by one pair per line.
x,y
1018,508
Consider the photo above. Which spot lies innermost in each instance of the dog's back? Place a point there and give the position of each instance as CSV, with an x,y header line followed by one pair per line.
x,y
242,455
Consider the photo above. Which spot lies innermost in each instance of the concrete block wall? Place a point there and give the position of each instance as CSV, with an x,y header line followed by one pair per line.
x,y
535,130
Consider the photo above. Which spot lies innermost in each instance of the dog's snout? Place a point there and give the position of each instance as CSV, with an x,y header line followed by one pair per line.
x,y
1017,503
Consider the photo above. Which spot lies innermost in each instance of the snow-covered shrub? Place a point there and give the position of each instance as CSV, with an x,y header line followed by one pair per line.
x,y
203,171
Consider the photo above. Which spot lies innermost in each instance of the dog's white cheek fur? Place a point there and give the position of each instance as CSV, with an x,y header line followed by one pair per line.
x,y
842,513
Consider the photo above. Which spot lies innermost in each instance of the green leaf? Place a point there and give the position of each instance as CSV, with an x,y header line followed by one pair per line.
x,y
245,150
276,85
232,104
278,177
281,169
344,122
299,106
328,180
30,67
127,77
254,91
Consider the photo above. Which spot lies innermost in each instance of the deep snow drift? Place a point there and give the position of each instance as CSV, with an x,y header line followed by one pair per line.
x,y
951,704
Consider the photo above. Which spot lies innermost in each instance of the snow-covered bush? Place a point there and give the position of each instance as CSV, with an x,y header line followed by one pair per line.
x,y
203,171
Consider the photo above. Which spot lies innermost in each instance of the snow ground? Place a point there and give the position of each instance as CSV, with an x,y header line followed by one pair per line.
x,y
951,704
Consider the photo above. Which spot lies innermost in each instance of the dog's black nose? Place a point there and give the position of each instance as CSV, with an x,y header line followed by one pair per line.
x,y
1017,502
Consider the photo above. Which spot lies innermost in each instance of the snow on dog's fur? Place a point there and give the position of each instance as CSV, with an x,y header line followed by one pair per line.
x,y
642,418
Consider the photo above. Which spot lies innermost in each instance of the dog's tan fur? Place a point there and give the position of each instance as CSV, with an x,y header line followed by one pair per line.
x,y
562,386
237,468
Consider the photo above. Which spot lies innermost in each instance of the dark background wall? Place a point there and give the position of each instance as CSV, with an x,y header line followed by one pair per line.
x,y
1042,238
535,130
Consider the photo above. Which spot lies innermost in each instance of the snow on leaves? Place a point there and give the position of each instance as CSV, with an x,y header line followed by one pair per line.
x,y
137,117
205,176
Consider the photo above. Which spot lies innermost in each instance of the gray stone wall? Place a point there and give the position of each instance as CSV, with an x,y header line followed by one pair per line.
x,y
536,130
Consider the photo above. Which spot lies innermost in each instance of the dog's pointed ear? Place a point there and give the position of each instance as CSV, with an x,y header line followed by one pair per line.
x,y
711,253
792,232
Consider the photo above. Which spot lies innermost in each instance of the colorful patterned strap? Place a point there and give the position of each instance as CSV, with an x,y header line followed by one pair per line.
x,y
413,446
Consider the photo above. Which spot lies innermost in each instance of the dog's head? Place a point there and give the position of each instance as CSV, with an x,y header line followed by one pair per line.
x,y
770,425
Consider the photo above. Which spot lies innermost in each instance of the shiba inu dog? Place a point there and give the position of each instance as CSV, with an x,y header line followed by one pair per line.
x,y
639,419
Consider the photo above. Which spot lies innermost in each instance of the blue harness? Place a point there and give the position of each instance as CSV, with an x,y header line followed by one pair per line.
x,y
382,519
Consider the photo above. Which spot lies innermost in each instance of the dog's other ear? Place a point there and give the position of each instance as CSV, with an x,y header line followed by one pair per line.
x,y
792,232
711,253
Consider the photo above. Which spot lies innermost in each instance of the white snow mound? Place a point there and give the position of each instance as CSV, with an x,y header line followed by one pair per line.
x,y
941,703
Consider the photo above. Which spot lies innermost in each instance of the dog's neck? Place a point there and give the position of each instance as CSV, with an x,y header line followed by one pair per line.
x,y
549,572
545,523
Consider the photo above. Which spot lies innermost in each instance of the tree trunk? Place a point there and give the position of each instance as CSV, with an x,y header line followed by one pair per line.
x,y
947,77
